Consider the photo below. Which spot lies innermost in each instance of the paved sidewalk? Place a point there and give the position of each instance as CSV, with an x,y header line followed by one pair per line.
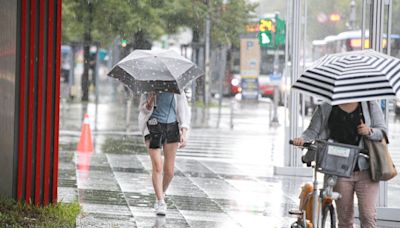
x,y
223,178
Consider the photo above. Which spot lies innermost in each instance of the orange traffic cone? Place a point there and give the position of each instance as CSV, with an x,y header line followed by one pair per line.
x,y
85,143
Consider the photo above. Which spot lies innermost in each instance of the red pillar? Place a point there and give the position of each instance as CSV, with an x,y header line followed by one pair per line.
x,y
38,100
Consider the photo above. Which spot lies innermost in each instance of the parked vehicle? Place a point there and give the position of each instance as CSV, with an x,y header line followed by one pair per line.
x,y
266,89
234,84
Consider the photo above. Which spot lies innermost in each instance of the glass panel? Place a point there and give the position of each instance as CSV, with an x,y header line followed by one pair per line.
x,y
8,11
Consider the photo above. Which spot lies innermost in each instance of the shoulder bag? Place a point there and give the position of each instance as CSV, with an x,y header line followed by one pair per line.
x,y
380,160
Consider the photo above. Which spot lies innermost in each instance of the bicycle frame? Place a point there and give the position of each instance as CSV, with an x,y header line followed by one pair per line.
x,y
326,194
344,158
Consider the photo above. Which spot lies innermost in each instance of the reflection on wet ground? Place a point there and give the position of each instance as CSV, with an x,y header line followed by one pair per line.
x,y
223,178
224,184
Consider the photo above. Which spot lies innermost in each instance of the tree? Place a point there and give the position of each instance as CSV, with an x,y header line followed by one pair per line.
x,y
137,21
112,18
142,21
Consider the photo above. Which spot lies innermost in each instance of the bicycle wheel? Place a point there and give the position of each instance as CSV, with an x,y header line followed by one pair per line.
x,y
328,216
297,225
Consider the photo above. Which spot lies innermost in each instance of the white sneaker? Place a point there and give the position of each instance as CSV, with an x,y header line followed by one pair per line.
x,y
161,208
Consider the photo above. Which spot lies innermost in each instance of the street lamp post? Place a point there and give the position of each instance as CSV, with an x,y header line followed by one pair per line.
x,y
352,18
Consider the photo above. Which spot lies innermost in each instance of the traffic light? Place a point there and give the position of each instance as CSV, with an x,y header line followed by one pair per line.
x,y
124,43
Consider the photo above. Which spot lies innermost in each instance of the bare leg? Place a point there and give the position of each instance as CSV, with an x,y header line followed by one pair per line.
x,y
169,163
156,173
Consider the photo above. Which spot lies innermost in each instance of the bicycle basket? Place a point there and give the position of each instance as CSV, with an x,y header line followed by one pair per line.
x,y
336,158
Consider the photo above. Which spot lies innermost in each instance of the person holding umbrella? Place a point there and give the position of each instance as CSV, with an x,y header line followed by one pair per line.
x,y
348,123
164,119
164,114
349,83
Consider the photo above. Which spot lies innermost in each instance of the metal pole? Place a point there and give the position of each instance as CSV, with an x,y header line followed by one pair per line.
x,y
389,28
303,101
352,18
383,188
207,70
381,24
287,150
294,97
232,104
128,113
275,121
96,84
195,59
315,199
221,80
364,6
96,72
270,113
376,38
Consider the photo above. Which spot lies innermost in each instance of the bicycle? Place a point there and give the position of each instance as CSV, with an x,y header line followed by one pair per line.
x,y
334,160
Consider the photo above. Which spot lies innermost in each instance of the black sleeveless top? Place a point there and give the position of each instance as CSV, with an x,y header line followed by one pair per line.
x,y
343,126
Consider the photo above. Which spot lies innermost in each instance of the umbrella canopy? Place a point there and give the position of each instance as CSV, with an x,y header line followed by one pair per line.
x,y
351,77
155,71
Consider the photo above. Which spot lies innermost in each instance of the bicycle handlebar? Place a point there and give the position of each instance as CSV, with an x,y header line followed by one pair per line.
x,y
306,144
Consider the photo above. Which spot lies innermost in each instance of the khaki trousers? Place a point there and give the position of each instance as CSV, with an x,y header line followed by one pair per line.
x,y
367,193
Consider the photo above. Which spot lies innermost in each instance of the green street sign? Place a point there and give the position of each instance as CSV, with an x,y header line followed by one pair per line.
x,y
280,31
266,32
272,33
266,39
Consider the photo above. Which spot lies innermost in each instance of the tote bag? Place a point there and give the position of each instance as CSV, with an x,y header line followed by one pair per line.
x,y
380,161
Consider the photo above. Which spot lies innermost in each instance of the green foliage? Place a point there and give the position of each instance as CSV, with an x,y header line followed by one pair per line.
x,y
16,214
72,28
125,18
229,20
112,18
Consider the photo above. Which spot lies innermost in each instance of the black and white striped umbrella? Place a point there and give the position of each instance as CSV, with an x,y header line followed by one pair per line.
x,y
351,77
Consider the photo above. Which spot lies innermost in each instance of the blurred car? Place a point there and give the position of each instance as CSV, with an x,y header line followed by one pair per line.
x,y
235,84
265,88
232,84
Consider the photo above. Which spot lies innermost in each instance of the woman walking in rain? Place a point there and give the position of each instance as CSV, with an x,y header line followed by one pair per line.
x,y
349,123
164,120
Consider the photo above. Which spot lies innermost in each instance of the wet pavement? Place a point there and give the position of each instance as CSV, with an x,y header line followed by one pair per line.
x,y
223,178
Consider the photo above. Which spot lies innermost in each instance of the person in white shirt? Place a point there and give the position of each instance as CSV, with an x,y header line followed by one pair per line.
x,y
164,120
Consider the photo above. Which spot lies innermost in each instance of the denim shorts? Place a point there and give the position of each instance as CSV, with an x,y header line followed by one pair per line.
x,y
162,133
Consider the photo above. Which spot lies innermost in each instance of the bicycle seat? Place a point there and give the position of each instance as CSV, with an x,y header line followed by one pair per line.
x,y
295,212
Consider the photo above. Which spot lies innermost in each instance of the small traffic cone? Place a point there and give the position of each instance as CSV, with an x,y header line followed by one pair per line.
x,y
85,142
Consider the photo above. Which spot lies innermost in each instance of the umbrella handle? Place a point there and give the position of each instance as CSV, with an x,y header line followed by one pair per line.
x,y
151,101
